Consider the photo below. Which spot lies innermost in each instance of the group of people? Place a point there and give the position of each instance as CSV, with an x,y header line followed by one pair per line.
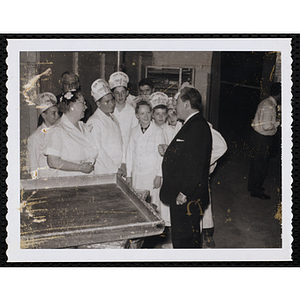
x,y
153,141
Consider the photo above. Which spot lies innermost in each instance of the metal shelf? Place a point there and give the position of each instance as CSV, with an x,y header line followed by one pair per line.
x,y
169,79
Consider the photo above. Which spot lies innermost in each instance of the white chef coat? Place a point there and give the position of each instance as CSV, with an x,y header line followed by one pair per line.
x,y
127,120
71,144
219,147
169,132
143,160
164,209
177,127
108,139
36,160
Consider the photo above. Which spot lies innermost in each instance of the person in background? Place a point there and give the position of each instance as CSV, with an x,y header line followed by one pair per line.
x,y
123,112
185,170
70,81
146,88
265,125
173,120
48,114
106,131
159,102
143,160
70,148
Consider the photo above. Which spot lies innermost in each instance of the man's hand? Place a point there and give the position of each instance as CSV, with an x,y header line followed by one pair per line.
x,y
122,170
180,199
162,149
157,182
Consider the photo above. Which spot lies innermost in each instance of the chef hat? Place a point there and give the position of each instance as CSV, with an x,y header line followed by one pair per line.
x,y
99,89
118,79
170,103
159,98
185,84
44,101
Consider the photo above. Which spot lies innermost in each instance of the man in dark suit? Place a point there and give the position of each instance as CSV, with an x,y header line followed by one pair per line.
x,y
185,171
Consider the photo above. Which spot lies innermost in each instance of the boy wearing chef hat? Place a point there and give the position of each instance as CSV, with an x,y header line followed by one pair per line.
x,y
106,131
48,114
159,102
143,160
118,82
124,112
173,119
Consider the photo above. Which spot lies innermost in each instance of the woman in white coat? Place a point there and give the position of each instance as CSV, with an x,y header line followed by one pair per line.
x,y
46,105
70,148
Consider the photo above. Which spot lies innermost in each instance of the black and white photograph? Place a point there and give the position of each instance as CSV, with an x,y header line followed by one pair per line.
x,y
149,150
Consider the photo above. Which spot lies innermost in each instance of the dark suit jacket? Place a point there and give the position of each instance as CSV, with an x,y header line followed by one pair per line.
x,y
186,163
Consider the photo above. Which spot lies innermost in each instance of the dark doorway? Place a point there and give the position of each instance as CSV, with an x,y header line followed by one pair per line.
x,y
241,75
242,221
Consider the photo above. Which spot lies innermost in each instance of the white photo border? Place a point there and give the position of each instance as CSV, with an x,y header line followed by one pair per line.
x,y
15,254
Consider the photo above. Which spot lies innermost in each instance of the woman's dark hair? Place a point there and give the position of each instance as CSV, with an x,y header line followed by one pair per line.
x,y
66,99
140,103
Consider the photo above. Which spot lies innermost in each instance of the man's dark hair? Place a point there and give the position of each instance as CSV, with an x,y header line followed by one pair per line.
x,y
146,81
276,89
193,96
140,103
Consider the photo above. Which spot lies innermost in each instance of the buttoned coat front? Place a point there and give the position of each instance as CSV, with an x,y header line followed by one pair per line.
x,y
108,139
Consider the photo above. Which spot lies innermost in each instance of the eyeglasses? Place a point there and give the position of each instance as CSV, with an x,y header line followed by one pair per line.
x,y
72,85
